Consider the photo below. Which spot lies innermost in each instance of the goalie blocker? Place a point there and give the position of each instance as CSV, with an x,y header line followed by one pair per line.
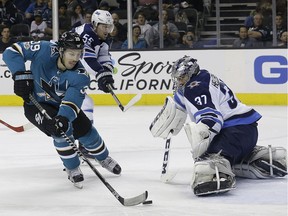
x,y
170,119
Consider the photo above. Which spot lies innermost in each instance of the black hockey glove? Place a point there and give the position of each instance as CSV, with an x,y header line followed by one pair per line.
x,y
56,125
23,84
104,80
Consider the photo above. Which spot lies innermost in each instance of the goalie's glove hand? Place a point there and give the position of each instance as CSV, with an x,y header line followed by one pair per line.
x,y
23,84
57,125
104,81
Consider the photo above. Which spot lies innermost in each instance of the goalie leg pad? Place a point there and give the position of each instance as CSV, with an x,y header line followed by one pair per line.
x,y
212,175
170,118
263,162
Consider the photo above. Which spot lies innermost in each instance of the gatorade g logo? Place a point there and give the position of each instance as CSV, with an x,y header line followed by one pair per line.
x,y
271,69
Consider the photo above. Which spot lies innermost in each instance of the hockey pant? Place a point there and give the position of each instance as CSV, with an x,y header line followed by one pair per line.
x,y
82,130
235,142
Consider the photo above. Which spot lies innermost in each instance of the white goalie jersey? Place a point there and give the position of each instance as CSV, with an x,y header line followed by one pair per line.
x,y
209,100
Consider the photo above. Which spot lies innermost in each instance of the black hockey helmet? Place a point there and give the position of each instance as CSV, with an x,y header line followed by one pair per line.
x,y
70,40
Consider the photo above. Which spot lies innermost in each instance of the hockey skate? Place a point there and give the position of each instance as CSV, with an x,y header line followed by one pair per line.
x,y
76,177
212,175
111,165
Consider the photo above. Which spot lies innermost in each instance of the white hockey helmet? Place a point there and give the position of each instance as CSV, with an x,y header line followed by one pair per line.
x,y
184,68
103,17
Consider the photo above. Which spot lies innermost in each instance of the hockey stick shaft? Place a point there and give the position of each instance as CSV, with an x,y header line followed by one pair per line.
x,y
165,175
124,201
18,129
133,101
115,98
166,156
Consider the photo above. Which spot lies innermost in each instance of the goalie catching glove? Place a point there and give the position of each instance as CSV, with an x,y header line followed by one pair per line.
x,y
169,119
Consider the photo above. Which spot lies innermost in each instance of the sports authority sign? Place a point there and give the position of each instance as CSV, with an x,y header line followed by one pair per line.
x,y
246,71
149,72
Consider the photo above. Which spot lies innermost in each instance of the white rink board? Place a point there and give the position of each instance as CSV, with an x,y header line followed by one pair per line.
x,y
148,72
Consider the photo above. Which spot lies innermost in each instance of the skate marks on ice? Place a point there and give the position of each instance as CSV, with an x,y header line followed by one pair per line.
x,y
32,182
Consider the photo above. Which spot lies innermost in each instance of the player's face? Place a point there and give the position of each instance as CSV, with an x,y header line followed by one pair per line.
x,y
71,57
102,30
182,80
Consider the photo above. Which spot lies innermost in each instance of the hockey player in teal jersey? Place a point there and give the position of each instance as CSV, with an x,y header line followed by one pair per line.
x,y
57,80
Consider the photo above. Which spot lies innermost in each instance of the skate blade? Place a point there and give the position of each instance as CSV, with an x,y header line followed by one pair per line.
x,y
214,192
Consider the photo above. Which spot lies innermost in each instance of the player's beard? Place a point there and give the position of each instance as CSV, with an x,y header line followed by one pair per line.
x,y
70,64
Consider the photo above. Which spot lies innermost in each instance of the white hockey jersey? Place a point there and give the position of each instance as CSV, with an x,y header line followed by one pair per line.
x,y
208,99
96,58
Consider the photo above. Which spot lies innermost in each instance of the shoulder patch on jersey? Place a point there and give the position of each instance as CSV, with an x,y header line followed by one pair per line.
x,y
26,45
215,81
54,50
194,84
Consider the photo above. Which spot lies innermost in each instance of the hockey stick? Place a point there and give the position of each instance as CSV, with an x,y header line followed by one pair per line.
x,y
133,101
18,129
165,175
124,201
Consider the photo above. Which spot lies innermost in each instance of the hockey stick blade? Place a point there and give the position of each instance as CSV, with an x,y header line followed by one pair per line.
x,y
18,129
133,101
134,200
168,176
126,202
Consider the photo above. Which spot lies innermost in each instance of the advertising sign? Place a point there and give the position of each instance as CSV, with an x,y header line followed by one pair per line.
x,y
149,72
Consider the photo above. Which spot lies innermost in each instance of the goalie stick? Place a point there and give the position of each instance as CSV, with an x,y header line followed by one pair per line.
x,y
18,129
124,201
133,101
165,175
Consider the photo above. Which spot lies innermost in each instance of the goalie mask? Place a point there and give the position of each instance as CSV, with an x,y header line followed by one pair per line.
x,y
182,70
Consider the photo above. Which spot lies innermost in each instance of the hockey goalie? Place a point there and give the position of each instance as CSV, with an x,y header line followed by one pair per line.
x,y
222,132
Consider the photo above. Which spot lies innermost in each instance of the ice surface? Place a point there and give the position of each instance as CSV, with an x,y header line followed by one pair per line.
x,y
32,182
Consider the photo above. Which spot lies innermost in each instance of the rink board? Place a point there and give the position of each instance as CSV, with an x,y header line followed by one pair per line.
x,y
258,77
